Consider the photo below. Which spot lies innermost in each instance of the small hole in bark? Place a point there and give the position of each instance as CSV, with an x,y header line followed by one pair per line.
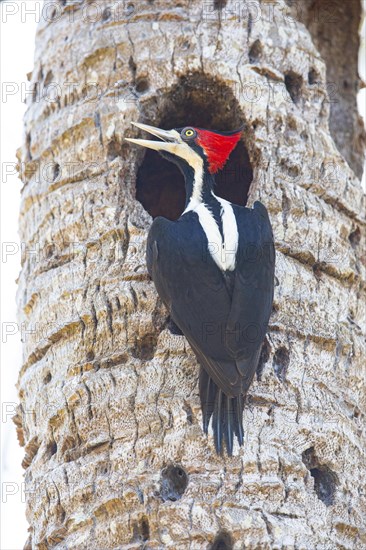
x,y
132,65
219,4
205,103
281,361
223,541
189,412
317,270
255,52
263,358
355,237
292,123
90,355
186,45
293,170
325,480
49,250
141,530
142,85
173,482
56,172
107,12
145,530
51,449
47,379
145,347
293,83
130,10
313,77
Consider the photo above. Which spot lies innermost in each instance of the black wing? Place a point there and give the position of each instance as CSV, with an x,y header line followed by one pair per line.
x,y
217,319
253,290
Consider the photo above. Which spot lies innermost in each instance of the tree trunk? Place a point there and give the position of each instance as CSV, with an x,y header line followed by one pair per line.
x,y
109,413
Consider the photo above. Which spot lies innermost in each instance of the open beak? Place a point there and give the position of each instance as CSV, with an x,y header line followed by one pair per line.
x,y
170,138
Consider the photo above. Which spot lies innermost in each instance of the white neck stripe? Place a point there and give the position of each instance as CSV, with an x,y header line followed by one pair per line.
x,y
222,250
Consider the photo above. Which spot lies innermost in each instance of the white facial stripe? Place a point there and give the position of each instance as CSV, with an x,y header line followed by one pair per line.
x,y
185,152
195,161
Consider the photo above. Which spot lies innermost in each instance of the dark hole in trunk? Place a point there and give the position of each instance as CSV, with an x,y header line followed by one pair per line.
x,y
223,541
325,480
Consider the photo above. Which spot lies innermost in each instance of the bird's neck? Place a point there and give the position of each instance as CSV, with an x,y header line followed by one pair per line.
x,y
215,216
199,185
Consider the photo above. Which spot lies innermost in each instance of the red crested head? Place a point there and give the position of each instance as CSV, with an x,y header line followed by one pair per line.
x,y
217,147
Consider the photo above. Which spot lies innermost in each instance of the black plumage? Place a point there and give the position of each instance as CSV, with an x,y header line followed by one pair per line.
x,y
224,316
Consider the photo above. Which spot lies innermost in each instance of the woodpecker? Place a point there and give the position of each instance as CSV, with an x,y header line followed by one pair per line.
x,y
214,270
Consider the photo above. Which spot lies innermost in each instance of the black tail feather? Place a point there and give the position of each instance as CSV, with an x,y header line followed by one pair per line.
x,y
226,412
238,418
217,420
229,424
207,395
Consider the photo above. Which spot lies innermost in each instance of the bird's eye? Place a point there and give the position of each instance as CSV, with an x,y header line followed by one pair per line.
x,y
188,133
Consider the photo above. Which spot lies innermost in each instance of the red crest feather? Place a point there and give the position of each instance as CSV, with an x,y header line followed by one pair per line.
x,y
217,147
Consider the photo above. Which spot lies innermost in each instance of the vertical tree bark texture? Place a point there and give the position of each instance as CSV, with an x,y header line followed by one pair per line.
x,y
109,412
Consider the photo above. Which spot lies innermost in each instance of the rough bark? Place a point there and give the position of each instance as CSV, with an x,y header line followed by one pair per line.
x,y
109,413
334,27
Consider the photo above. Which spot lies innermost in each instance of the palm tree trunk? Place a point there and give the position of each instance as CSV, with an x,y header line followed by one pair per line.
x,y
115,455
